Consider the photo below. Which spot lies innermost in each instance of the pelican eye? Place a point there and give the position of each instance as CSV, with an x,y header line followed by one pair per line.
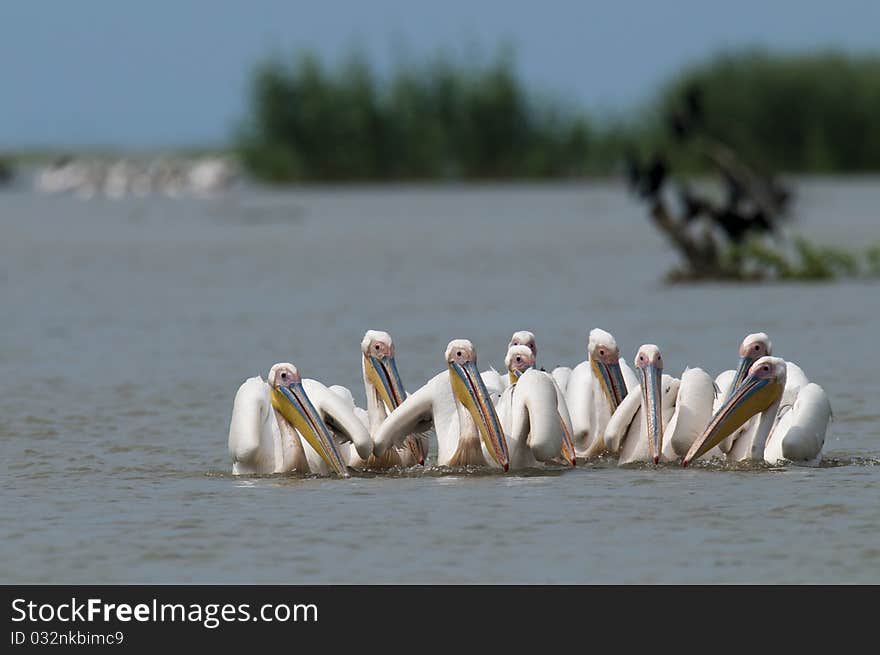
x,y
458,354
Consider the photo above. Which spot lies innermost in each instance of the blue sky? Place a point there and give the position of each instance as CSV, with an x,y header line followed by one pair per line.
x,y
174,72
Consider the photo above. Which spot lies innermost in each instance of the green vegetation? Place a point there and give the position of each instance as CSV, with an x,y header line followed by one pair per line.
x,y
756,260
440,119
447,118
799,113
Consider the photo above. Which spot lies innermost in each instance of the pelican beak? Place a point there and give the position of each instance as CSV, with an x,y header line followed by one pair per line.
x,y
382,374
468,387
745,363
752,397
611,380
294,405
651,377
567,445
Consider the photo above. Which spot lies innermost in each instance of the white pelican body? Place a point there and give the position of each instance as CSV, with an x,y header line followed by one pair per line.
x,y
532,420
533,414
661,417
795,437
694,407
595,389
256,442
799,434
292,424
384,393
627,434
458,406
760,393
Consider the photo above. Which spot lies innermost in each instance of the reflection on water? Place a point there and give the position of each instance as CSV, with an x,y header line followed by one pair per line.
x,y
127,327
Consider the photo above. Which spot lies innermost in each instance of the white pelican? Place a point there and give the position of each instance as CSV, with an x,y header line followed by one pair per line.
x,y
805,443
384,392
495,382
210,175
660,419
269,421
533,414
595,388
524,338
759,393
515,366
457,404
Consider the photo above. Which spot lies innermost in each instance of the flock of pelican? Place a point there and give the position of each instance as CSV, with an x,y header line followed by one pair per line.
x,y
765,410
171,178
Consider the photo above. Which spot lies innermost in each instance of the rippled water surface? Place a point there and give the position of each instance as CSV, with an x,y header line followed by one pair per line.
x,y
127,327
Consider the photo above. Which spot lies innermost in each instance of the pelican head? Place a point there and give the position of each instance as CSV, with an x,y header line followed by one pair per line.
x,y
469,390
380,368
649,364
761,388
290,400
752,348
524,338
518,360
380,371
605,362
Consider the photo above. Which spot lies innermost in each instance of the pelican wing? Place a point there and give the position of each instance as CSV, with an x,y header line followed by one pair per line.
x,y
800,434
693,409
579,401
413,415
795,376
723,382
622,418
339,416
535,415
561,407
561,374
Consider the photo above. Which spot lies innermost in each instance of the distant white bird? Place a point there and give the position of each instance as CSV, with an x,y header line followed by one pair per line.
x,y
210,175
291,424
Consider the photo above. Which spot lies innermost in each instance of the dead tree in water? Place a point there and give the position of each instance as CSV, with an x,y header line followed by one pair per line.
x,y
707,233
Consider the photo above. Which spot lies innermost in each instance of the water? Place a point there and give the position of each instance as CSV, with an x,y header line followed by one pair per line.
x,y
127,327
